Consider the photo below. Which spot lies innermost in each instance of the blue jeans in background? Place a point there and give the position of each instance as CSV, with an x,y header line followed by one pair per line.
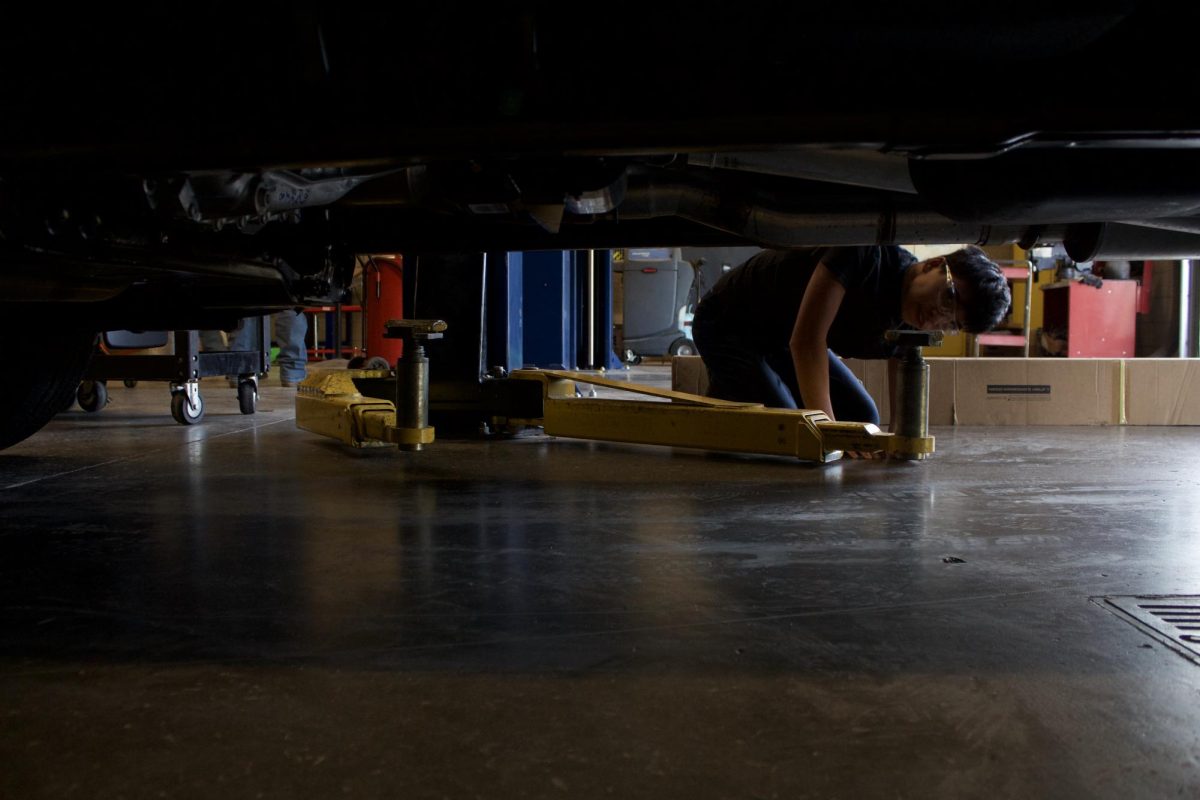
x,y
739,369
290,332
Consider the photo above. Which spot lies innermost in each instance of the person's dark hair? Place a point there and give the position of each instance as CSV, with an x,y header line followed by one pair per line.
x,y
987,297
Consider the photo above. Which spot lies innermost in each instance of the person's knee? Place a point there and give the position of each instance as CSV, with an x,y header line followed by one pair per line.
x,y
855,406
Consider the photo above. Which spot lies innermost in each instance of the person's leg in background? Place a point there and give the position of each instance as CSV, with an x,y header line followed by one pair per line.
x,y
291,332
737,370
851,403
243,337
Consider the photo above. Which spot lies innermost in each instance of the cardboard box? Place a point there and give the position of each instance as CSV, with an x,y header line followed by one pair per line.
x,y
874,376
1038,391
942,372
1033,391
1162,391
688,374
1012,391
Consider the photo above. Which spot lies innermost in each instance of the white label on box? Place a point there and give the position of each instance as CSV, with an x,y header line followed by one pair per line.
x,y
1023,391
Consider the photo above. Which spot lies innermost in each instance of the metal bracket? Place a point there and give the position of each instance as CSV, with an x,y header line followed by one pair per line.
x,y
417,330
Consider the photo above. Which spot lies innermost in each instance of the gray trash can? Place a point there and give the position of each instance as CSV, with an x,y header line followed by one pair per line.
x,y
655,288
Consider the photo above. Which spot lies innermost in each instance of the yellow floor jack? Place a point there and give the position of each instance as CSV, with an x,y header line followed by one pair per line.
x,y
365,408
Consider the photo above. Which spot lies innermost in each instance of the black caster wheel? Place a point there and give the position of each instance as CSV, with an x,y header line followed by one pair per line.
x,y
92,395
248,396
186,413
683,346
130,384
377,362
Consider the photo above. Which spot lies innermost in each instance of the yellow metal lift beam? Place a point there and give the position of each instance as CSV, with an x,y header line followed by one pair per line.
x,y
705,423
330,403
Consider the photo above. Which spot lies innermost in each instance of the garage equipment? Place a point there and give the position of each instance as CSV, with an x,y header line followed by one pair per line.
x,y
412,380
912,390
356,407
656,286
562,303
182,369
383,299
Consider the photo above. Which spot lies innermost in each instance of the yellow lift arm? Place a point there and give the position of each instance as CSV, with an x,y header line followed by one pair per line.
x,y
333,403
330,403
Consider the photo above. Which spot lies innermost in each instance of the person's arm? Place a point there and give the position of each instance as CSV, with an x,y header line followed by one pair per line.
x,y
810,353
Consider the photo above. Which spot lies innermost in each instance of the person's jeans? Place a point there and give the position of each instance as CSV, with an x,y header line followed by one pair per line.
x,y
739,369
291,329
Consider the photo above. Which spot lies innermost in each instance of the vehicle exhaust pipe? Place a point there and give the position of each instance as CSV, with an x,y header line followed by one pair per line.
x,y
1108,241
867,219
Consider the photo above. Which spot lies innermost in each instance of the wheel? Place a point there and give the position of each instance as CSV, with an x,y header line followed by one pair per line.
x,y
248,396
356,362
186,413
632,358
42,369
92,395
683,346
130,384
377,362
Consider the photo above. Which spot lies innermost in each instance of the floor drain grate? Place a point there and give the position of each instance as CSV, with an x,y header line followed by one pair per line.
x,y
1172,619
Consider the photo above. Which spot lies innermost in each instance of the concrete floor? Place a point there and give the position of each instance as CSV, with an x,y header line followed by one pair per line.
x,y
241,609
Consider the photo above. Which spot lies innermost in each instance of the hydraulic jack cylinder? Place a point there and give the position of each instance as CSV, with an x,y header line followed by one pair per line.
x,y
412,391
412,431
912,390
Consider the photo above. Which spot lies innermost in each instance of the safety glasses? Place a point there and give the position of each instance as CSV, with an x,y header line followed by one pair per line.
x,y
949,305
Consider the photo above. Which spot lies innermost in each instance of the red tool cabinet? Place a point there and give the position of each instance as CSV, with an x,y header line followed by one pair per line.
x,y
1099,322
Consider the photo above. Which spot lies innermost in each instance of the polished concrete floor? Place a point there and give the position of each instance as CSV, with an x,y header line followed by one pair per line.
x,y
241,609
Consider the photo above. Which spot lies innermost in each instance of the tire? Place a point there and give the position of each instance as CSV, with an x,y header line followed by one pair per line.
x,y
377,362
683,346
92,396
42,371
248,397
129,383
183,413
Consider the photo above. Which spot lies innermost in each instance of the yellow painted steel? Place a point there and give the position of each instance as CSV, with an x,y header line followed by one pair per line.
x,y
329,403
635,388
742,430
865,438
707,424
409,435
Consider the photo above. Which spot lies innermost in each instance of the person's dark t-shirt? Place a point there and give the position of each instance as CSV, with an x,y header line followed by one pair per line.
x,y
759,300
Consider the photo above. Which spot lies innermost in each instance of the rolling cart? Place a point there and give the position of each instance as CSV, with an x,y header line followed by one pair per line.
x,y
182,369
